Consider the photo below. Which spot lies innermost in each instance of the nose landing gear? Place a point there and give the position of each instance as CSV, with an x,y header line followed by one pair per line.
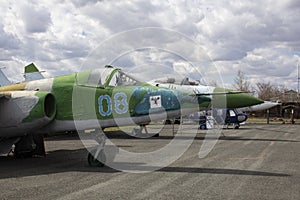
x,y
96,156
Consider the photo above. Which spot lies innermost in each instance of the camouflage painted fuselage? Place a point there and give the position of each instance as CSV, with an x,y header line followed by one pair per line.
x,y
89,98
101,98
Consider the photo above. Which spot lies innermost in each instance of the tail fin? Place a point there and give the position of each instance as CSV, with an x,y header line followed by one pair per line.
x,y
3,79
32,73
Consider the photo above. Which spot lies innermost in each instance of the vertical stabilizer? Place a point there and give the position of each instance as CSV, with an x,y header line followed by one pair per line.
x,y
32,73
3,79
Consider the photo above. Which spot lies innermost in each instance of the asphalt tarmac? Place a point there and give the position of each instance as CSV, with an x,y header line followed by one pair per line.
x,y
253,162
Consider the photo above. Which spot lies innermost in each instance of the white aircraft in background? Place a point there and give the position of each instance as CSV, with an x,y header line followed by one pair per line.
x,y
194,86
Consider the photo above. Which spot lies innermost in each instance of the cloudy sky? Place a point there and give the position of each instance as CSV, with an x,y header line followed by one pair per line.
x,y
260,38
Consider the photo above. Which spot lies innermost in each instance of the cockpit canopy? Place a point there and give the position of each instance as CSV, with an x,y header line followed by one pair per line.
x,y
177,80
104,77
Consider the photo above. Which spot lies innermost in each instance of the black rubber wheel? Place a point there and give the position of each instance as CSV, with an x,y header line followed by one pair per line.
x,y
94,162
23,154
168,121
202,127
156,135
177,121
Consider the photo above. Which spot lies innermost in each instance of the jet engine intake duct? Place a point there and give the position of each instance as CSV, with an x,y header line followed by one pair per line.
x,y
42,106
24,112
45,107
49,106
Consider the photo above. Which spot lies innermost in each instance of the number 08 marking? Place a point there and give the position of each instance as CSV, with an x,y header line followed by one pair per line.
x,y
120,104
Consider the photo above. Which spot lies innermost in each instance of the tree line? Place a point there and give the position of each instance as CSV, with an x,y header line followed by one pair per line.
x,y
265,91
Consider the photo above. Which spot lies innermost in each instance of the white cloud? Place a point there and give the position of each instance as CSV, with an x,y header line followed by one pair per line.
x,y
36,19
7,40
261,39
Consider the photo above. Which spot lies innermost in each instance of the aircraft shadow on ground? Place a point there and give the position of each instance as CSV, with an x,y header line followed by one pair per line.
x,y
75,161
199,136
164,137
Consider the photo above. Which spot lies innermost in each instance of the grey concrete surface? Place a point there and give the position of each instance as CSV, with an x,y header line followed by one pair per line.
x,y
253,162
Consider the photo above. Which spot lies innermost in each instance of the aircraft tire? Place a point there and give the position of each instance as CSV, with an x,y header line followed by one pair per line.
x,y
25,147
94,162
168,121
202,127
156,135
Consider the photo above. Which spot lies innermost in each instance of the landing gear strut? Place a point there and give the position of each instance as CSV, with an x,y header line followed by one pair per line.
x,y
96,157
29,146
139,132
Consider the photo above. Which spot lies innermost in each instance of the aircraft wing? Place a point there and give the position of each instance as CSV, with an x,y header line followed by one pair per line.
x,y
32,73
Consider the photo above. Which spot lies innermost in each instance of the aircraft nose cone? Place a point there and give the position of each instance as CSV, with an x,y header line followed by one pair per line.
x,y
241,100
233,99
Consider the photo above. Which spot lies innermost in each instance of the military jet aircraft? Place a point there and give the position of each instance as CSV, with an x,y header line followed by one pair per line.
x,y
108,96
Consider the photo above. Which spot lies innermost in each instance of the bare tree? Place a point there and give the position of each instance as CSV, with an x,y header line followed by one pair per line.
x,y
241,83
264,91
267,91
